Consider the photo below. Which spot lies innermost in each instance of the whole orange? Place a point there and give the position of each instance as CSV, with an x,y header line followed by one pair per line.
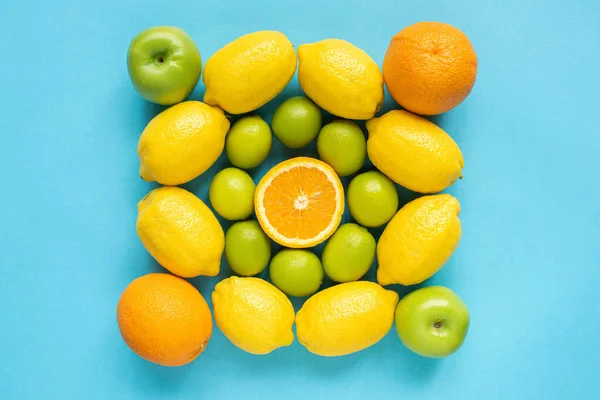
x,y
430,67
164,319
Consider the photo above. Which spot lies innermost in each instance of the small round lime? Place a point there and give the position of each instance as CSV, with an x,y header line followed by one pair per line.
x,y
342,145
247,248
296,272
349,253
231,194
372,199
296,122
248,142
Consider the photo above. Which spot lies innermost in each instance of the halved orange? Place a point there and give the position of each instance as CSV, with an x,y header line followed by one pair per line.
x,y
299,203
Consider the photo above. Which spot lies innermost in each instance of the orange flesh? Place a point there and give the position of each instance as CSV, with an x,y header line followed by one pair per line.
x,y
300,202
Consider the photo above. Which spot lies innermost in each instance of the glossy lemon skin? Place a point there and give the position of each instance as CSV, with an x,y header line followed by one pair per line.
x,y
248,72
180,232
414,152
346,318
253,314
341,78
419,240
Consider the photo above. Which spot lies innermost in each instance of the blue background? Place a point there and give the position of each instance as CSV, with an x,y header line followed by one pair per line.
x,y
527,264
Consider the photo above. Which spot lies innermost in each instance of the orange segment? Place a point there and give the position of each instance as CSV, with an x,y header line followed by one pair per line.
x,y
299,203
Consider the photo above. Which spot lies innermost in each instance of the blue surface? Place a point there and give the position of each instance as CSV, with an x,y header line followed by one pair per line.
x,y
527,264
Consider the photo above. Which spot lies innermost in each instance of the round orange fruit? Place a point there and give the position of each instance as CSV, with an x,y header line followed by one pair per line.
x,y
299,203
164,319
430,67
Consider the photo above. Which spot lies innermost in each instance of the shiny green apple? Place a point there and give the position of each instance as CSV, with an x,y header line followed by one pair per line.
x,y
432,321
164,64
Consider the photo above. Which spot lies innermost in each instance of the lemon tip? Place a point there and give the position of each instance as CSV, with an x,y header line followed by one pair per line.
x,y
383,277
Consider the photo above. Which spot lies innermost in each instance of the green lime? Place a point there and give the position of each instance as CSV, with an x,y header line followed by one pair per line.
x,y
372,199
296,272
349,253
342,145
296,122
247,248
231,194
248,142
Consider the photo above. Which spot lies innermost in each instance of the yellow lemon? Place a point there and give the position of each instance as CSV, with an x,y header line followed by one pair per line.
x,y
253,314
419,240
180,232
346,318
414,152
341,78
248,72
182,142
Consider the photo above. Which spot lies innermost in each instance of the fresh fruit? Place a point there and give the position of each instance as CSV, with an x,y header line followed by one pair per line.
x,y
182,142
414,152
299,203
296,122
253,314
232,194
248,142
430,67
341,78
296,272
180,232
349,253
247,248
164,64
346,318
164,319
342,145
372,199
432,321
248,72
418,240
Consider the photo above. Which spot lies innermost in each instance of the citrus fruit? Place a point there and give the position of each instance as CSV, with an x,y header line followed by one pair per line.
x,y
248,72
247,248
182,142
372,199
349,253
296,122
341,78
253,314
346,318
180,232
342,145
248,142
414,152
418,240
430,67
299,203
164,319
296,272
231,194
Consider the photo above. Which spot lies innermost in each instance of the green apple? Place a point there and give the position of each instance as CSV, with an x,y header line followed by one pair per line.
x,y
164,64
432,321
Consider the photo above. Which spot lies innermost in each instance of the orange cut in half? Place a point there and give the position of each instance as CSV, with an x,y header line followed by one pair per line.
x,y
299,203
